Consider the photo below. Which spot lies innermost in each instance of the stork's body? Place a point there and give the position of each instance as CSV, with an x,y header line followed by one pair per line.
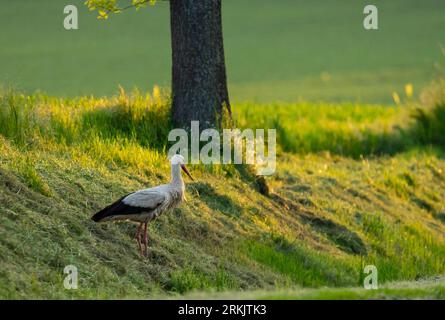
x,y
146,205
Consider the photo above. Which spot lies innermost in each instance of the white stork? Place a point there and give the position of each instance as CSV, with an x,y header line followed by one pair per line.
x,y
146,205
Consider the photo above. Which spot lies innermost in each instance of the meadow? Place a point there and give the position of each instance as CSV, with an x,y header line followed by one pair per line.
x,y
289,51
343,197
360,170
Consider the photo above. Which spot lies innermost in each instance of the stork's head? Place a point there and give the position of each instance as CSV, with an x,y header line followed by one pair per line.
x,y
177,159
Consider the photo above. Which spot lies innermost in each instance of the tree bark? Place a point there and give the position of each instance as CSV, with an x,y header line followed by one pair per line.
x,y
199,84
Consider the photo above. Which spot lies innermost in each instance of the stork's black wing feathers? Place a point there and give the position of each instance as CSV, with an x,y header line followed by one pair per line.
x,y
118,208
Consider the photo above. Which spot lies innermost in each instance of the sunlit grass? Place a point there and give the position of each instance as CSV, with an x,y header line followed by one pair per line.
x,y
346,129
433,288
355,185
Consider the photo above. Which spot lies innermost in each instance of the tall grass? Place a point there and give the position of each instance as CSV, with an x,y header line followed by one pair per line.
x,y
126,129
347,129
144,120
429,127
16,122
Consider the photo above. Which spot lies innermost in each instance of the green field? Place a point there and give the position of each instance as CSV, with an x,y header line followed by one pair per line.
x,y
360,179
287,50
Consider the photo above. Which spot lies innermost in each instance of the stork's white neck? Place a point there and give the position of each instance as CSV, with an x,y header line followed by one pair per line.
x,y
176,174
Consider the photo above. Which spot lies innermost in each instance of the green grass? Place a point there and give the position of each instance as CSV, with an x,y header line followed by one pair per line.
x,y
330,211
301,265
352,130
285,51
347,129
425,289
358,182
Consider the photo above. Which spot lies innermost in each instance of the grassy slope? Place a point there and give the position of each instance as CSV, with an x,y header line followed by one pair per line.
x,y
315,50
330,213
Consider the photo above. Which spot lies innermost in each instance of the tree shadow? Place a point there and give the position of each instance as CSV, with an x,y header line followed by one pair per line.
x,y
439,216
216,201
345,239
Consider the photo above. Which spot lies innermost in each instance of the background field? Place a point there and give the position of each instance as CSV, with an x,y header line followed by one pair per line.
x,y
360,180
276,50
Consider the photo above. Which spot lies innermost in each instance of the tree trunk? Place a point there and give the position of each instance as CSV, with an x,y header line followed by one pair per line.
x,y
199,85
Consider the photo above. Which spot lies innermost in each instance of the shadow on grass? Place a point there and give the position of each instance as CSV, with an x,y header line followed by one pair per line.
x,y
440,216
216,201
298,264
345,239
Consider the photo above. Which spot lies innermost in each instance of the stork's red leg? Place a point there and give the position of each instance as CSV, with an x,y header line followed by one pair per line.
x,y
145,238
138,237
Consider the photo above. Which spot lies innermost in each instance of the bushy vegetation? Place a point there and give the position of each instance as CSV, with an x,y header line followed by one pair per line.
x,y
129,129
355,185
430,122
351,130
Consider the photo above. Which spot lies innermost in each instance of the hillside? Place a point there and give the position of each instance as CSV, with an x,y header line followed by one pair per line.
x,y
355,185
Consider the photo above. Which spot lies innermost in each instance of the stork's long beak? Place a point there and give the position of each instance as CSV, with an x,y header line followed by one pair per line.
x,y
184,168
